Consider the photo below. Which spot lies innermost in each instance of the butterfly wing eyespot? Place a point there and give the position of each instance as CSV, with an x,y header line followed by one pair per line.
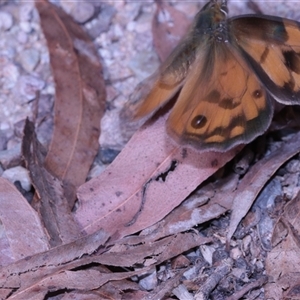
x,y
257,94
271,45
198,122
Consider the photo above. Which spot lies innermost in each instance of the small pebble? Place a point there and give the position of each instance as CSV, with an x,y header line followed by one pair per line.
x,y
80,11
29,59
6,20
129,13
29,85
10,157
95,171
3,140
25,12
18,174
13,142
235,253
107,155
25,26
143,25
207,252
4,126
67,6
102,22
111,136
10,74
131,26
22,37
149,282
84,12
293,166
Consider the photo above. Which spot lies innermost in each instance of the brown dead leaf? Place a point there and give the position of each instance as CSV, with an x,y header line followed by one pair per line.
x,y
283,262
18,241
146,255
80,96
84,280
31,270
292,213
149,178
257,177
168,27
52,206
210,202
261,212
79,295
291,286
4,294
160,251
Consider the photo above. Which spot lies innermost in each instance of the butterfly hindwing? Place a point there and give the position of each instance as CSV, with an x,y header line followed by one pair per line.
x,y
221,103
271,45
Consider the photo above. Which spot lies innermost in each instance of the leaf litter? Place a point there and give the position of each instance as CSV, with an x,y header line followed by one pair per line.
x,y
133,234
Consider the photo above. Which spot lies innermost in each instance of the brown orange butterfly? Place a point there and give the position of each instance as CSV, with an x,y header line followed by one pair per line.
x,y
228,70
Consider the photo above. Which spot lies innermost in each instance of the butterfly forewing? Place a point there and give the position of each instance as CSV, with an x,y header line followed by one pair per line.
x,y
271,46
221,103
159,94
157,90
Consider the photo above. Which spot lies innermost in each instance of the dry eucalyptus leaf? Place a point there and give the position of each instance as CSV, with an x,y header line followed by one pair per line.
x,y
84,280
79,100
150,177
283,261
52,205
210,202
160,250
31,270
18,240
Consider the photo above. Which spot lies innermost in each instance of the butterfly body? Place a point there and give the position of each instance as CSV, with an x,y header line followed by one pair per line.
x,y
227,72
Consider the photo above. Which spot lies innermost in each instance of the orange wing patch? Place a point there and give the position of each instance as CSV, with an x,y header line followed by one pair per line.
x,y
159,95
